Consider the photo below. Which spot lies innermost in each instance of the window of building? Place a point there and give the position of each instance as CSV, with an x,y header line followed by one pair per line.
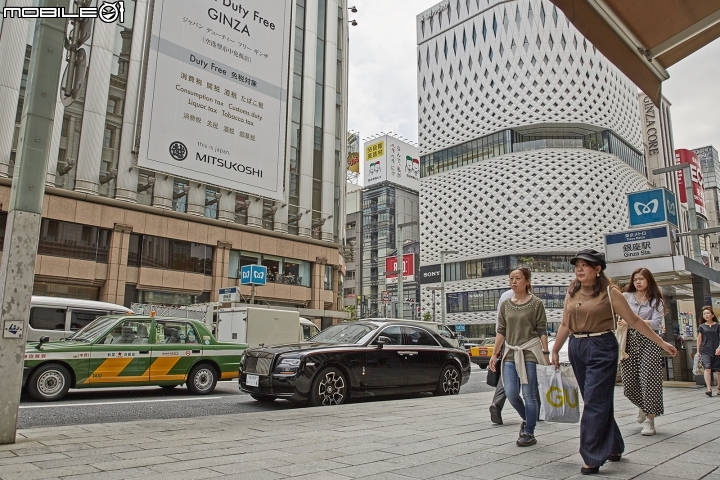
x,y
328,277
166,253
64,290
73,240
180,191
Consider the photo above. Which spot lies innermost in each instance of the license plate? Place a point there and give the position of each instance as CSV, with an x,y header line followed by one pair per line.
x,y
252,380
483,352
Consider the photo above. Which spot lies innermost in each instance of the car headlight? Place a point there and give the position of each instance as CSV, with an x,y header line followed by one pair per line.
x,y
288,366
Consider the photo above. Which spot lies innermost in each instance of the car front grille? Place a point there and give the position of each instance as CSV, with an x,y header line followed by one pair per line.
x,y
258,362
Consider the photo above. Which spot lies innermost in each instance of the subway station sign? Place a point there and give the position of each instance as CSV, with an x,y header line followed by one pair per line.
x,y
216,94
638,244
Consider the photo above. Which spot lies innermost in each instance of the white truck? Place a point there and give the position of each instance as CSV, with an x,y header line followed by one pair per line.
x,y
262,326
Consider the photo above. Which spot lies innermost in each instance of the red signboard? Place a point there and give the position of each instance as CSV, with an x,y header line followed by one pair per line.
x,y
408,268
687,156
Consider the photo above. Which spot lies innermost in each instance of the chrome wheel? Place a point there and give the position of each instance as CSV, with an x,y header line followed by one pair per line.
x,y
449,383
331,389
50,383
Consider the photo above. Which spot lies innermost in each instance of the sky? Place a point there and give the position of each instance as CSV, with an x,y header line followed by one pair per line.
x,y
383,86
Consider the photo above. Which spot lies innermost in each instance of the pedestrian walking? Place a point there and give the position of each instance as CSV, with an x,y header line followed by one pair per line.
x,y
709,347
522,328
588,319
642,371
498,401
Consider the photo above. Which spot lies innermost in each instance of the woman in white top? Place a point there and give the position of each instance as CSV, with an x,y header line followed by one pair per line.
x,y
642,371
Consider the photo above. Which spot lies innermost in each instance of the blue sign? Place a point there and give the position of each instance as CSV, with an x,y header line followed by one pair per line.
x,y
253,275
460,327
652,206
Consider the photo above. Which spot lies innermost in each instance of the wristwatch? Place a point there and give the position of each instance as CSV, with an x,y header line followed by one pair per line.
x,y
546,353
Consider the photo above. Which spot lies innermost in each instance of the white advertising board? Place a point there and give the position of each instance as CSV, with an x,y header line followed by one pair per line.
x,y
637,244
216,95
388,159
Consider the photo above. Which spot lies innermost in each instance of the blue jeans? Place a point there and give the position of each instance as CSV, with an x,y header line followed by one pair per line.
x,y
528,409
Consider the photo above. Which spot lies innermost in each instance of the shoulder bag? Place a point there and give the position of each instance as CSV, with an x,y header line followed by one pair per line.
x,y
621,333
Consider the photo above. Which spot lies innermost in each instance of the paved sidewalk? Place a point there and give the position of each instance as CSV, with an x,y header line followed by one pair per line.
x,y
439,438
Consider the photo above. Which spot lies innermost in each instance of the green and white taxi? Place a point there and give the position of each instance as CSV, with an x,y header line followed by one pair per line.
x,y
134,350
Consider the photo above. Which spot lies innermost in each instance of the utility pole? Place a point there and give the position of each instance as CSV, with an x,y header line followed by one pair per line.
x,y
400,265
25,209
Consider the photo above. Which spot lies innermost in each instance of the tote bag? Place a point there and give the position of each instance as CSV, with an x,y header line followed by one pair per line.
x,y
560,396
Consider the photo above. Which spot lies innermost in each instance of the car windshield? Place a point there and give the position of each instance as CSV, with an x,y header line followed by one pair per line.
x,y
93,330
345,333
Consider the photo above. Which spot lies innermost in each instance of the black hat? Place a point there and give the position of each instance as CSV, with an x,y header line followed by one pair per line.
x,y
590,255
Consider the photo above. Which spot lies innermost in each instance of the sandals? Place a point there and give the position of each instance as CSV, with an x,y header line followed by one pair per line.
x,y
615,457
708,393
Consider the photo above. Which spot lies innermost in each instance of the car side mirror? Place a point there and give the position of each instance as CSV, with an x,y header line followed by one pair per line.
x,y
44,339
382,341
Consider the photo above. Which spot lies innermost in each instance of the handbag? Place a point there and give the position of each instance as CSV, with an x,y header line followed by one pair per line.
x,y
621,333
560,398
493,378
698,367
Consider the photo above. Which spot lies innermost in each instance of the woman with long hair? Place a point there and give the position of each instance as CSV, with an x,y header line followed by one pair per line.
x,y
642,372
709,347
522,327
588,319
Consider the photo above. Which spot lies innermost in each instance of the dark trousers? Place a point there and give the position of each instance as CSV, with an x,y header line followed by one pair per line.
x,y
594,361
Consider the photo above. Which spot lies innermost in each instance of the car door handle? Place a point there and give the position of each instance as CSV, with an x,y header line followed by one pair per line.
x,y
405,352
196,351
144,352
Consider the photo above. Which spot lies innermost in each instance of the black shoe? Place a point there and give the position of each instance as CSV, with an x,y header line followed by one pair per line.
x,y
709,393
615,457
525,440
589,470
495,416
522,428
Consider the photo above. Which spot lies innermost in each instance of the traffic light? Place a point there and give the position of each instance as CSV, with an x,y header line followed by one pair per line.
x,y
76,67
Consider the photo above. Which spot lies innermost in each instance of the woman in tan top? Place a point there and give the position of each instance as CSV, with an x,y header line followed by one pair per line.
x,y
587,316
522,327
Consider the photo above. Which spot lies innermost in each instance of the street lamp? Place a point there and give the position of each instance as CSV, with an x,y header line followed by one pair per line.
x,y
433,289
442,281
399,246
690,197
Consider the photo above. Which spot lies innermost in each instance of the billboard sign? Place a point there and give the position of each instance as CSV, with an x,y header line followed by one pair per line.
x,y
638,244
652,206
408,268
430,274
353,163
388,159
698,187
216,95
229,295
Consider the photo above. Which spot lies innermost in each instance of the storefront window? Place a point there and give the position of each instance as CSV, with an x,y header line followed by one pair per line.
x,y
274,273
280,270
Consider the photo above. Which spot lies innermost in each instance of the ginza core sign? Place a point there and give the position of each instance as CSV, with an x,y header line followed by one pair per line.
x,y
216,94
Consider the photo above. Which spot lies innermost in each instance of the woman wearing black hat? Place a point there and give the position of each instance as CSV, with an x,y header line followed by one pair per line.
x,y
588,318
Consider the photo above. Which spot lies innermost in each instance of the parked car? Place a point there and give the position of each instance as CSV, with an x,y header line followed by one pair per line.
x,y
481,353
365,358
441,329
124,351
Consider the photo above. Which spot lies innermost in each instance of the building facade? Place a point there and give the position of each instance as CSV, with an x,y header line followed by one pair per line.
x,y
529,141
710,162
154,227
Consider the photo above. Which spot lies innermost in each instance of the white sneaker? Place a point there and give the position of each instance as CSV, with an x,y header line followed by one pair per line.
x,y
648,427
641,416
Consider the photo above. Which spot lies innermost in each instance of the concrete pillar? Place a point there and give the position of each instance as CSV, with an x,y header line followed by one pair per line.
x,y
226,206
281,217
221,260
330,113
308,118
96,95
163,191
196,199
114,289
318,286
255,212
128,177
12,58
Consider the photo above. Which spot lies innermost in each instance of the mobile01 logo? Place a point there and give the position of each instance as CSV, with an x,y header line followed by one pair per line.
x,y
108,12
178,151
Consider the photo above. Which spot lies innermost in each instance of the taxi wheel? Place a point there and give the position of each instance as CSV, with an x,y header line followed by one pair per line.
x,y
202,379
449,382
49,382
329,388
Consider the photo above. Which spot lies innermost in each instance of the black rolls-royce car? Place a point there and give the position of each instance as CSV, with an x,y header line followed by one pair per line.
x,y
356,359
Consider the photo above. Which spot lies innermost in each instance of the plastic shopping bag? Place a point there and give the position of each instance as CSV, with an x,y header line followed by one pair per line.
x,y
559,394
698,367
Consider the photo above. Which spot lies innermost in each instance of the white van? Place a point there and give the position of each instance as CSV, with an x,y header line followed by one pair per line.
x,y
58,318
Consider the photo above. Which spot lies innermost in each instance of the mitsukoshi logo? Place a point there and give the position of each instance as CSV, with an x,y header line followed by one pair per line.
x,y
647,208
178,151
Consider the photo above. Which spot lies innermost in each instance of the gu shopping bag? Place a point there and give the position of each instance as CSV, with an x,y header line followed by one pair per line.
x,y
560,397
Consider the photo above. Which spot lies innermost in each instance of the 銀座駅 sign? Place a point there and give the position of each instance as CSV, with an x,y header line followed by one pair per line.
x,y
216,94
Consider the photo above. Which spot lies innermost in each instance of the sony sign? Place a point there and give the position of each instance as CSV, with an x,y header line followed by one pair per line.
x,y
430,274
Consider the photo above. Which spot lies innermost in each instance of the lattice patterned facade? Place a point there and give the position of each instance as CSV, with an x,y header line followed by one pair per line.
x,y
486,66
